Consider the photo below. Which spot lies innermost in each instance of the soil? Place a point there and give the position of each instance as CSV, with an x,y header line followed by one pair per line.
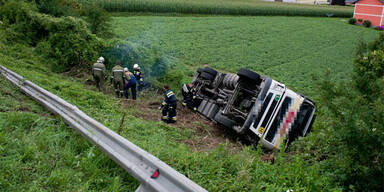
x,y
78,71
208,135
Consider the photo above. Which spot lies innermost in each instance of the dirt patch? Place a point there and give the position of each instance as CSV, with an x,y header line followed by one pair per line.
x,y
79,71
23,109
268,157
208,135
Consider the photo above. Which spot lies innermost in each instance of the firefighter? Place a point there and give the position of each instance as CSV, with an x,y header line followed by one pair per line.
x,y
130,83
189,96
138,76
99,75
169,106
117,77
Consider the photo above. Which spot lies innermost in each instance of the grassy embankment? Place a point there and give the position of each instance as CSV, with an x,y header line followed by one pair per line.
x,y
34,149
38,151
224,7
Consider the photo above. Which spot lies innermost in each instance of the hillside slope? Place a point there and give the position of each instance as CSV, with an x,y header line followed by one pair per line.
x,y
216,169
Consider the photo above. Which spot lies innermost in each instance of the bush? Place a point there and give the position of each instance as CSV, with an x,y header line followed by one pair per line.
x,y
356,118
369,66
70,41
2,2
77,47
21,27
352,21
58,8
360,20
367,23
95,15
98,20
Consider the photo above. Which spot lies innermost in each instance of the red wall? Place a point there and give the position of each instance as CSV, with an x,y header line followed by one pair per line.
x,y
375,13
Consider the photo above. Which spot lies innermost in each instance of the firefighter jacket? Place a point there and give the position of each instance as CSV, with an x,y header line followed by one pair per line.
x,y
188,92
98,70
169,97
138,75
117,73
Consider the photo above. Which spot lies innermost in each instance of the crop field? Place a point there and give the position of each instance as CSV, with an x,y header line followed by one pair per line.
x,y
224,7
288,49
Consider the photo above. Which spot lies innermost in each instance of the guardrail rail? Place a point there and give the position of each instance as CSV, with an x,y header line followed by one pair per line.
x,y
151,172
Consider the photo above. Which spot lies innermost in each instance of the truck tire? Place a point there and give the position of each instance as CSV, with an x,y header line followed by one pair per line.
x,y
223,120
210,71
249,75
207,76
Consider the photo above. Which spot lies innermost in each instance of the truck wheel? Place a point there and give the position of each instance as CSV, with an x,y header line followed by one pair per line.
x,y
250,75
221,119
210,71
207,76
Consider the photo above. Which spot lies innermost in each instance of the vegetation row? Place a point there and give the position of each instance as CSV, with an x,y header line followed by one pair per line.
x,y
217,7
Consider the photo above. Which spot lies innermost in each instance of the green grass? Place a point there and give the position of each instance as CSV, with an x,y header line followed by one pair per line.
x,y
224,7
38,152
288,49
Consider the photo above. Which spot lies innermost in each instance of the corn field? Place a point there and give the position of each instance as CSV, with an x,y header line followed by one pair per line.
x,y
223,7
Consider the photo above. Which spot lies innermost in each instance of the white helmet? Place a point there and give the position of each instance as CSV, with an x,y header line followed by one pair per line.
x,y
136,66
100,60
125,69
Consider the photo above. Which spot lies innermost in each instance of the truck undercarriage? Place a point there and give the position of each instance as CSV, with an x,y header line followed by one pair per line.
x,y
255,106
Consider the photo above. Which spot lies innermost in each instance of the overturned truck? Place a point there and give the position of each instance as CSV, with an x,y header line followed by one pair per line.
x,y
256,107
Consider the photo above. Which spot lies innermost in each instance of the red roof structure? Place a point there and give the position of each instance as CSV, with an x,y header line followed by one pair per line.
x,y
372,10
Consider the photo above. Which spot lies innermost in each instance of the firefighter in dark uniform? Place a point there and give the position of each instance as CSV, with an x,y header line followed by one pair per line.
x,y
189,96
169,106
138,76
117,77
99,75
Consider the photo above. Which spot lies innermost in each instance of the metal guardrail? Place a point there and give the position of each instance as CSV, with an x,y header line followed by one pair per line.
x,y
152,173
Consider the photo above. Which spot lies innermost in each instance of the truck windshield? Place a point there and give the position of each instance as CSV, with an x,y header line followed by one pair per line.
x,y
303,123
263,108
272,131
